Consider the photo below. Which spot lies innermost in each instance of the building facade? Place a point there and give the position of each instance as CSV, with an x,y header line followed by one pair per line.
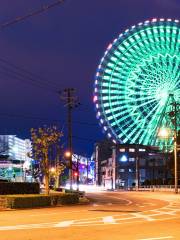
x,y
126,166
15,157
84,166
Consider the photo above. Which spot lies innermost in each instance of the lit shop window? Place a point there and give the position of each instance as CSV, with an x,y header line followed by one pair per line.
x,y
122,149
131,150
142,150
131,159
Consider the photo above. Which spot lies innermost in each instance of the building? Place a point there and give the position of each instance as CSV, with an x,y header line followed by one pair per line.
x,y
15,157
125,166
85,167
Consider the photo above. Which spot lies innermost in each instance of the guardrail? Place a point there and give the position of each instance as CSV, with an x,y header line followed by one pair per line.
x,y
156,188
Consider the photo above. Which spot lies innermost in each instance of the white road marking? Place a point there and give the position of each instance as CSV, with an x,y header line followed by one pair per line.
x,y
163,212
27,226
64,224
146,217
95,205
124,199
156,238
55,213
109,219
151,204
114,219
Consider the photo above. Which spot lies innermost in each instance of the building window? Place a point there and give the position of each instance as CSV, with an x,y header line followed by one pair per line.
x,y
142,162
122,149
131,150
121,170
130,170
123,158
142,150
131,159
142,173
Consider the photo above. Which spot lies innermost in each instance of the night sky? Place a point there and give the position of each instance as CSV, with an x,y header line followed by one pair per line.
x,y
62,48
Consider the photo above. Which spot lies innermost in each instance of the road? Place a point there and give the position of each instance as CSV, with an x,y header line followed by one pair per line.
x,y
110,215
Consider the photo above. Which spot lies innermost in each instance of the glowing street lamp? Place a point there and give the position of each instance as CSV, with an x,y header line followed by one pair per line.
x,y
164,133
52,170
67,154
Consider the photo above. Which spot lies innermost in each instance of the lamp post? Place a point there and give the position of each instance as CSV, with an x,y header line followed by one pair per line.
x,y
165,133
137,169
175,149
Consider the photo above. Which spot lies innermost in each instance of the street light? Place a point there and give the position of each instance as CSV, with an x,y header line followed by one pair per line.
x,y
52,170
67,154
165,133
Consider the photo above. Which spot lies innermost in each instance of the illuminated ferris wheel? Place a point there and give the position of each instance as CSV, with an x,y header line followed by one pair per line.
x,y
137,80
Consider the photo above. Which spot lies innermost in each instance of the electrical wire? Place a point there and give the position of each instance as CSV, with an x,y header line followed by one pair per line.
x,y
44,119
44,8
20,75
33,77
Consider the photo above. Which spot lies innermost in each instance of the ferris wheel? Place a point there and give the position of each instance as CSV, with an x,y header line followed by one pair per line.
x,y
137,81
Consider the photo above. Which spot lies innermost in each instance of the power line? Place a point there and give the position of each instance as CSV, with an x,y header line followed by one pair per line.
x,y
20,74
44,119
44,8
33,76
85,139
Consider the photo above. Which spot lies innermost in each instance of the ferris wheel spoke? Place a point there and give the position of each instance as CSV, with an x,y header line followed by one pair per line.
x,y
135,77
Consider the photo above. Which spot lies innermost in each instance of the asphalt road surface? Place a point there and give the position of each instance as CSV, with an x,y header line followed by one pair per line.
x,y
109,216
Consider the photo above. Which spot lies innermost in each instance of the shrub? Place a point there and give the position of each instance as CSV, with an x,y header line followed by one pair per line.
x,y
30,201
19,188
68,198
79,193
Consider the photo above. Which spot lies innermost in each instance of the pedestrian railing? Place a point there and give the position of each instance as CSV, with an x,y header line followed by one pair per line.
x,y
157,188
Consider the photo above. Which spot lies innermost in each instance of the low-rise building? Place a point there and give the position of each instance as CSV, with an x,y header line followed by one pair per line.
x,y
15,157
128,165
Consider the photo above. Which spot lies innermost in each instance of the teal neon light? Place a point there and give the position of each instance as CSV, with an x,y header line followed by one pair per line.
x,y
138,72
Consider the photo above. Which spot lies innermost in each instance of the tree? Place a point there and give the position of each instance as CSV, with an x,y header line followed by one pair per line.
x,y
42,140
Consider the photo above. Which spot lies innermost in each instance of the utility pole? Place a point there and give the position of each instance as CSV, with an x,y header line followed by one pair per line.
x,y
78,159
137,168
87,169
175,149
69,92
68,95
173,115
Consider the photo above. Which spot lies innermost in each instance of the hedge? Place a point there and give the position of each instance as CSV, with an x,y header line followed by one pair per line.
x,y
30,201
79,193
19,188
